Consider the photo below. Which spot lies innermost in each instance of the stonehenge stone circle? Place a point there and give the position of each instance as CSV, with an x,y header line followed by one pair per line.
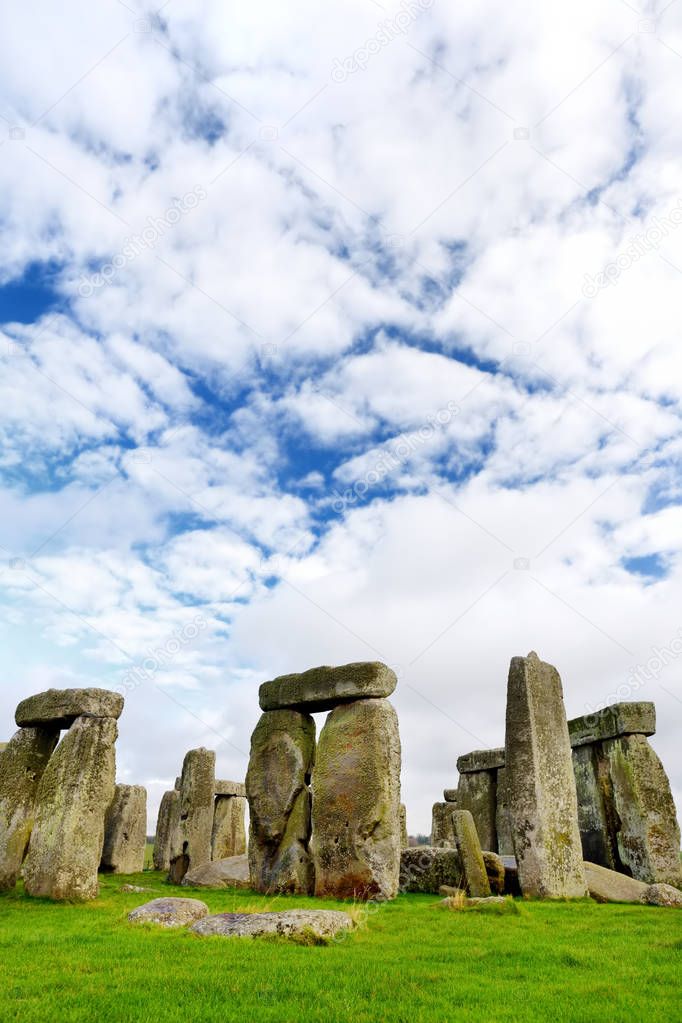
x,y
228,837
166,823
191,839
74,792
543,804
356,802
469,848
325,687
442,825
59,708
125,831
277,787
23,763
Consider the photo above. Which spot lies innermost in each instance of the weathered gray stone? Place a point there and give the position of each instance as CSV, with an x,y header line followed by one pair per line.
x,y
277,787
230,788
477,792
356,802
23,762
663,895
404,837
166,824
503,829
232,872
125,831
495,870
542,795
59,708
322,924
191,839
72,799
425,868
469,848
648,836
450,795
442,826
229,827
167,912
481,760
325,687
612,722
597,818
133,889
606,885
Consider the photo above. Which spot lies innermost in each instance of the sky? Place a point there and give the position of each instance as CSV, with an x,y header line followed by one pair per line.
x,y
337,333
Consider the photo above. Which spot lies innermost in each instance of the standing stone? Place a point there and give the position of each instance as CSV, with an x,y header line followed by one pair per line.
x,y
23,762
477,792
505,841
277,788
442,825
229,829
469,847
167,822
191,839
73,795
649,836
404,837
542,794
356,802
597,817
125,831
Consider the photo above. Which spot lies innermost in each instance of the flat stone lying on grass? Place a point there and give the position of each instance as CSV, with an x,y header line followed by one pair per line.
x,y
325,687
289,923
126,889
169,912
60,707
663,895
231,872
453,898
606,885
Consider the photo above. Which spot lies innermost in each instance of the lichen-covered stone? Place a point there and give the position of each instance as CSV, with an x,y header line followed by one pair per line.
x,y
648,834
72,799
610,722
59,708
495,870
597,818
277,788
325,687
481,760
125,831
450,795
322,924
477,792
503,829
230,788
232,872
169,912
469,848
23,763
166,823
191,839
425,868
606,885
442,827
229,827
404,838
663,895
543,805
356,802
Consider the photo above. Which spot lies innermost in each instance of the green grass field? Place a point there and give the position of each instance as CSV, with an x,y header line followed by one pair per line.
x,y
412,961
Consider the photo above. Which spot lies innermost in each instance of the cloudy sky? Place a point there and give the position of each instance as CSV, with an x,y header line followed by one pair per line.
x,y
340,332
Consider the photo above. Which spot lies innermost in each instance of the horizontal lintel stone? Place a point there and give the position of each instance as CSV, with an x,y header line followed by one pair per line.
x,y
323,688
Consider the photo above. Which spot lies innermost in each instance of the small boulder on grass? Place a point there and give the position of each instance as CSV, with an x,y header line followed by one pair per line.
x,y
312,926
662,895
169,912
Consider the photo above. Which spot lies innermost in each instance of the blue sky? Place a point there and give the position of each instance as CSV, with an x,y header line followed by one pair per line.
x,y
359,349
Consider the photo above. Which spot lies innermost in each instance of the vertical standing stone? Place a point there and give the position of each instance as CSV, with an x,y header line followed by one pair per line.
x,y
167,822
442,825
648,836
477,792
23,762
73,795
505,841
229,829
469,848
277,788
191,839
542,793
356,802
597,818
404,838
125,831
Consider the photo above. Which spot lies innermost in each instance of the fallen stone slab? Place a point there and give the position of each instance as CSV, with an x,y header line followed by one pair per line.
x,y
231,872
325,687
137,889
637,718
168,912
290,923
481,760
606,885
59,708
229,788
663,895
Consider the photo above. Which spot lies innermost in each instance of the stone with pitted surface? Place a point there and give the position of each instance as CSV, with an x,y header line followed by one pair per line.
x,y
481,760
325,687
167,912
611,722
229,788
59,708
321,924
